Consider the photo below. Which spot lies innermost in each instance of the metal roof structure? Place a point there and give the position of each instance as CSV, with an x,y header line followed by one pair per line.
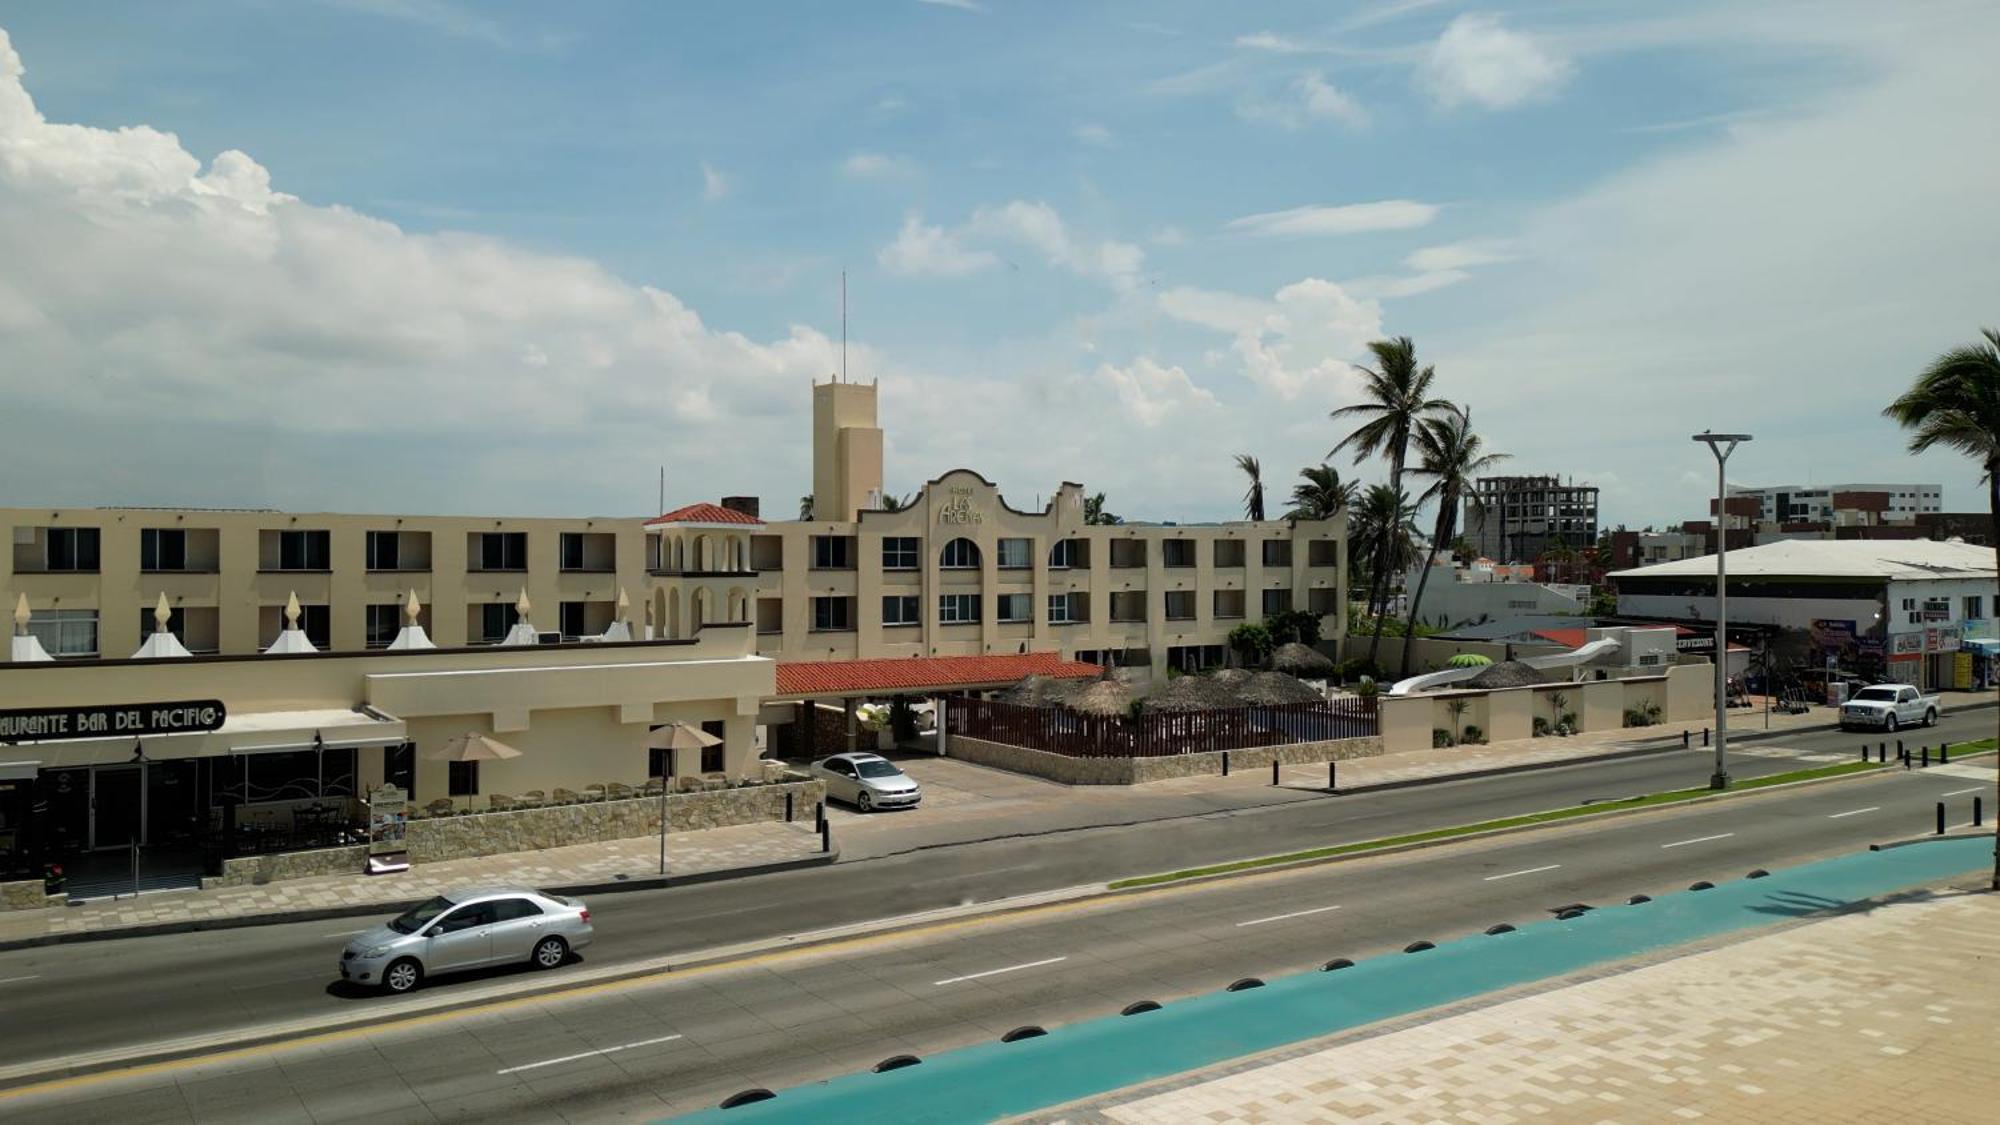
x,y
1890,559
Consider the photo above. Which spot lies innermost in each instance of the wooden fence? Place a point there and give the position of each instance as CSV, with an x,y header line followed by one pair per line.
x,y
1165,734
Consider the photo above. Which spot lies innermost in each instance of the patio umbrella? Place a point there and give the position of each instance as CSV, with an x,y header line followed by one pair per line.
x,y
679,736
1469,660
1037,690
1105,699
1301,660
472,747
1506,674
1190,693
1269,689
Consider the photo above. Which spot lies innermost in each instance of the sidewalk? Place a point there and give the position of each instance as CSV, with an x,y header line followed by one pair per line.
x,y
742,848
1878,1016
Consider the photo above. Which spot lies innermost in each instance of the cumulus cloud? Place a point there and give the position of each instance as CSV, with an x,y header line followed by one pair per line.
x,y
1308,100
1478,61
876,165
922,250
1150,392
1299,341
1350,218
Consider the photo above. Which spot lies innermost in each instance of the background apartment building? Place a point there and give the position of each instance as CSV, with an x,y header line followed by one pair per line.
x,y
1518,518
1792,503
957,572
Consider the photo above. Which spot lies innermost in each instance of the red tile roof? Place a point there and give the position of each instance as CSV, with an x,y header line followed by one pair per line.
x,y
920,673
705,513
1568,638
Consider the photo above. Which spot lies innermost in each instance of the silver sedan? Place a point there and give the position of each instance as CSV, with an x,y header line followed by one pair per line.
x,y
867,781
467,929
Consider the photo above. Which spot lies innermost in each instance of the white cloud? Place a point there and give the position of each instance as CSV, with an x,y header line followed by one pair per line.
x,y
1167,236
1307,100
1461,255
1299,341
1478,61
921,250
1349,218
1092,134
1150,392
961,5
713,184
1410,285
877,166
1271,41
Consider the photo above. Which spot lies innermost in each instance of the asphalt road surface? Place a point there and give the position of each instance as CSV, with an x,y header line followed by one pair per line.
x,y
684,1041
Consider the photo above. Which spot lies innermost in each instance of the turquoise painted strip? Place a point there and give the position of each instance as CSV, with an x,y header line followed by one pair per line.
x,y
993,1080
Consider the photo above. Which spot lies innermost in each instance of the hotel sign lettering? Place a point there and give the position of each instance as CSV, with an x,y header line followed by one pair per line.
x,y
55,724
957,508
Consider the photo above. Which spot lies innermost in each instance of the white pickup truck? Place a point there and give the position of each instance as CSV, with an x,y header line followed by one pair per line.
x,y
1888,707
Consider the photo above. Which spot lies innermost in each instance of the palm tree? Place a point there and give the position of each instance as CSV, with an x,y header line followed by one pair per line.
x,y
1253,500
1385,530
1955,403
1450,455
1094,513
1397,398
1323,496
805,507
893,503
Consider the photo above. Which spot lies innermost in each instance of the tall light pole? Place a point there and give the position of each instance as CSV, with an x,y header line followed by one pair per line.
x,y
1722,445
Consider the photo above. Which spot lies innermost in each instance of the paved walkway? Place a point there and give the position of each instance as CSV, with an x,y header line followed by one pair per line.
x,y
687,853
1882,1016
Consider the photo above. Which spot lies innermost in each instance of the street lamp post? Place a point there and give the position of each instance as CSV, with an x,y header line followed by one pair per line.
x,y
1722,445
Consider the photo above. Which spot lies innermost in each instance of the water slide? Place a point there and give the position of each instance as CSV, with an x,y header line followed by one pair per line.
x,y
1583,654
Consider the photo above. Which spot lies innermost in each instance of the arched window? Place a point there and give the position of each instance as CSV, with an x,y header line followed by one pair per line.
x,y
960,554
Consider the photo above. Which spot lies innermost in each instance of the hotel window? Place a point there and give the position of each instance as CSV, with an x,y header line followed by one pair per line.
x,y
70,549
1323,552
594,552
1277,552
1068,553
1228,605
1229,554
1015,607
1180,605
66,633
315,621
498,550
899,552
385,550
1061,609
384,622
463,779
571,618
1128,553
1276,602
960,554
900,609
299,550
833,615
958,609
1177,552
1016,554
492,622
162,549
1975,609
833,552
1128,606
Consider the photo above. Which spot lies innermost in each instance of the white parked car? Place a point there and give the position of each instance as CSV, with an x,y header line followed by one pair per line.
x,y
867,781
1888,707
468,929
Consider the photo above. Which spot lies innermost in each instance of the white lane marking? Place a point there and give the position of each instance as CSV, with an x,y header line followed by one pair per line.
x,y
1699,840
1282,917
588,1054
997,972
1963,792
1853,812
11,980
1529,871
347,933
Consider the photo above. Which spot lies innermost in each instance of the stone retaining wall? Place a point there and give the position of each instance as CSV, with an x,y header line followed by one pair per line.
x,y
522,830
1137,771
28,894
247,870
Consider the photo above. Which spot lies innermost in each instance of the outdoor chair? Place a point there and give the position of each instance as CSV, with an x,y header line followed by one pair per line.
x,y
565,797
499,802
443,806
617,791
653,786
594,791
534,797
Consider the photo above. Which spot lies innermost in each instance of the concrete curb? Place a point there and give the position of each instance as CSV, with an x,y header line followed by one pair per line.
x,y
362,910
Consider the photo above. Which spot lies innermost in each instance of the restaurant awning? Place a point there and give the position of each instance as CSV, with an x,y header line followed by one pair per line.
x,y
247,732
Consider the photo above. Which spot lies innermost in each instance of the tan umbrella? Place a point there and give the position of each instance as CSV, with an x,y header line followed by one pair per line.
x,y
1275,688
1105,699
1190,693
679,736
472,747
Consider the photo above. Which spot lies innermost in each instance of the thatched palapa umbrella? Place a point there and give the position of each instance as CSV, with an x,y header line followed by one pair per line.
x,y
1037,690
1190,693
1271,689
1296,659
1506,674
1105,699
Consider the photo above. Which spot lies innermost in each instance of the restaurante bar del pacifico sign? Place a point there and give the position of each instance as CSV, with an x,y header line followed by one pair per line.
x,y
54,724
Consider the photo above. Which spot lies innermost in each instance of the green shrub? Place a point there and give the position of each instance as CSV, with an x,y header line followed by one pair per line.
x,y
1441,738
1541,727
1367,689
1474,736
1251,642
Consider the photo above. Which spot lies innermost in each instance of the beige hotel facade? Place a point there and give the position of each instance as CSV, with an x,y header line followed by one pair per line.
x,y
960,571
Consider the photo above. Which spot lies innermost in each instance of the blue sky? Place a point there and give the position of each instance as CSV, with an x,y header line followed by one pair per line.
x,y
512,257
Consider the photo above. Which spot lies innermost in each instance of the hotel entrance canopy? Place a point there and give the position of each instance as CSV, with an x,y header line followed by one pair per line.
x,y
920,675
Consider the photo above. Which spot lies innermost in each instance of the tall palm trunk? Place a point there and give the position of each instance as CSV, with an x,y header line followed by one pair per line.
x,y
1446,511
1993,503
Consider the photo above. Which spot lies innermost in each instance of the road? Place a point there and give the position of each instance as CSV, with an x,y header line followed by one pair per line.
x,y
735,1025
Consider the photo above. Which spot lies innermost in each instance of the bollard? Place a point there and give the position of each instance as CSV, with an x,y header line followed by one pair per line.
x,y
1332,777
825,836
819,817
1225,763
1900,752
1906,759
1864,752
1881,753
1978,812
1927,756
1944,753
1274,771
1704,737
1685,739
788,808
1940,818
